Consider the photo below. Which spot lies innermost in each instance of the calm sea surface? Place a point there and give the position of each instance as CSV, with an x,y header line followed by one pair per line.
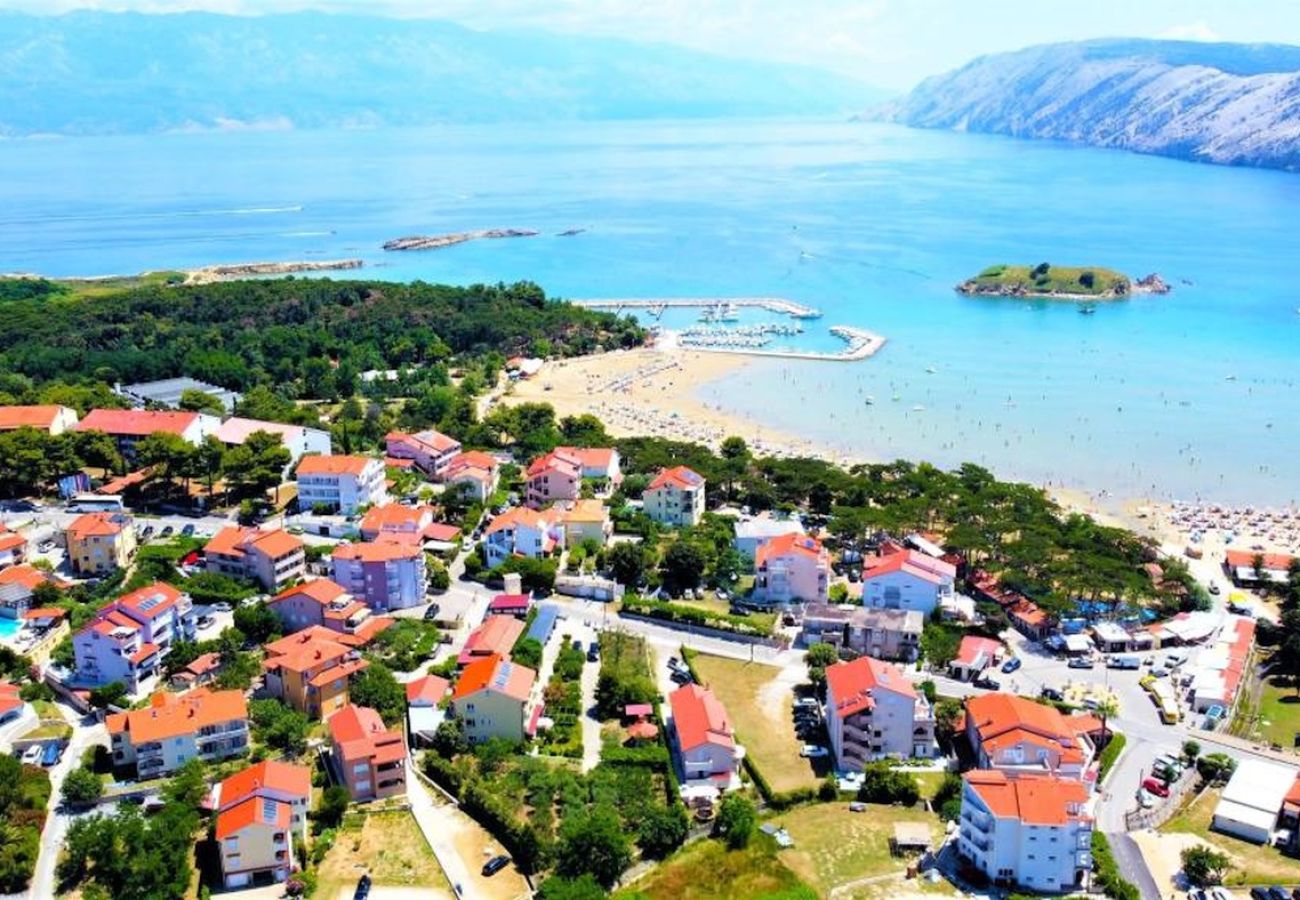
x,y
1191,394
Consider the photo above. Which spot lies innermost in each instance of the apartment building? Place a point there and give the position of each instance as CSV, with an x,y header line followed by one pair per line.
x,y
430,451
370,758
907,579
100,543
273,558
389,573
13,548
874,712
522,532
892,634
129,637
341,484
175,728
310,670
555,476
1031,832
259,811
475,472
675,497
322,603
491,698
792,568
1017,735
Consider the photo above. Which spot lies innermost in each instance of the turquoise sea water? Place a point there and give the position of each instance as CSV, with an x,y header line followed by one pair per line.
x,y
1191,394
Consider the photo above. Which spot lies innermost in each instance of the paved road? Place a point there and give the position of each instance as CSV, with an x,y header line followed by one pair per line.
x,y
433,821
56,826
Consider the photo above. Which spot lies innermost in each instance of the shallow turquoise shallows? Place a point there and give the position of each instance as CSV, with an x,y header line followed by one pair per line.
x,y
1190,394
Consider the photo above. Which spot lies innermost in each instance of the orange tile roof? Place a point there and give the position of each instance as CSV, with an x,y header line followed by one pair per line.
x,y
322,590
11,540
97,524
430,440
1003,720
678,476
395,516
497,634
429,689
173,715
268,775
151,600
42,416
441,531
475,459
253,811
1246,558
334,465
558,460
699,718
45,612
1032,799
379,551
137,422
517,516
590,457
972,646
786,545
306,649
590,510
494,672
9,699
913,562
359,733
29,577
853,684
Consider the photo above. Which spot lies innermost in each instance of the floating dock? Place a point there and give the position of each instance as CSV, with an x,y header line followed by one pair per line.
x,y
657,305
861,345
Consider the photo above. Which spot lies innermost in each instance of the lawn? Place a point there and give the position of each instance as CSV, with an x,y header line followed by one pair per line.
x,y
929,782
706,870
1279,712
1255,864
833,846
391,847
711,604
760,707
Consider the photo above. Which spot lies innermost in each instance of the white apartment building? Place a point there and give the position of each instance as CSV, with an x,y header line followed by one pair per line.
x,y
128,638
874,712
342,483
175,728
675,497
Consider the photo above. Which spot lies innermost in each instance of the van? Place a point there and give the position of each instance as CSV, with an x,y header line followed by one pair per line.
x,y
1123,662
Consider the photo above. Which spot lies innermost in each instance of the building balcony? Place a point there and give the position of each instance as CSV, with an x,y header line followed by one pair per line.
x,y
977,840
977,821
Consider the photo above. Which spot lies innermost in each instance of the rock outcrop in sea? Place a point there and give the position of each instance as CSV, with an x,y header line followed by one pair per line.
x,y
1235,104
1151,284
433,242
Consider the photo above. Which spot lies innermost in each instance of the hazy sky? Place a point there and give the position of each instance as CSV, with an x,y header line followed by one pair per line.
x,y
892,43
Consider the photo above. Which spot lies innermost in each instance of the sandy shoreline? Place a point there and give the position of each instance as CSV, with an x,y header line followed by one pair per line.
x,y
649,391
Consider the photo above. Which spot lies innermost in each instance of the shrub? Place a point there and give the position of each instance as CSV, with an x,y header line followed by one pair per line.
x,y
1204,866
1110,754
1108,877
736,820
881,783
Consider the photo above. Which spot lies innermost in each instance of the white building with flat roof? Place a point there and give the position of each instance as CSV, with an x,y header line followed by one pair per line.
x,y
1252,800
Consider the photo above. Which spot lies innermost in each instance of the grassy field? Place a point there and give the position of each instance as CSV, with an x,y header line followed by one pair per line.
x,y
710,603
833,846
1094,281
390,847
929,782
1255,864
760,710
706,870
1279,712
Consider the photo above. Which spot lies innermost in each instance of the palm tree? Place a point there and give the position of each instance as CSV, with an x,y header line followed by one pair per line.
x,y
1105,710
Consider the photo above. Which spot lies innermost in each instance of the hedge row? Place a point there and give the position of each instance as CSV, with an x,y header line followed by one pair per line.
x,y
531,850
1108,877
777,800
1110,754
689,615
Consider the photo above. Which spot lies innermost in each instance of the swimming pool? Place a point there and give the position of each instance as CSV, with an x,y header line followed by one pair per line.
x,y
8,628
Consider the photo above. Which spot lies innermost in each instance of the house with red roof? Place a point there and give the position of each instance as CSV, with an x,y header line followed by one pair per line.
x,y
601,464
873,712
297,439
100,542
388,573
341,484
13,548
430,451
521,531
259,811
49,418
199,671
907,579
974,655
311,670
703,739
128,426
1032,832
791,568
675,497
474,472
17,586
11,705
175,728
1017,736
271,557
368,757
497,635
492,699
555,476
322,603
129,637
1239,565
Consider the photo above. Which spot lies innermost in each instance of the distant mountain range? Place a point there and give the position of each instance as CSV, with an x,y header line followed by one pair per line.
x,y
96,73
1237,104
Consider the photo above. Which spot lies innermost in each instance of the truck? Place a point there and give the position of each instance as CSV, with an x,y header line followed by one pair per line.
x,y
1123,662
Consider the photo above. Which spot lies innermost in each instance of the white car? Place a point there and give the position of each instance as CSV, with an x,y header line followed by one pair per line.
x,y
32,756
812,751
1146,799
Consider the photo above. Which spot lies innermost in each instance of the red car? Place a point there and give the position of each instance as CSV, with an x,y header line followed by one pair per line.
x,y
1154,786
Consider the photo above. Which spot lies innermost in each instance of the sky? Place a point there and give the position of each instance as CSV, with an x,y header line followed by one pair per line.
x,y
889,43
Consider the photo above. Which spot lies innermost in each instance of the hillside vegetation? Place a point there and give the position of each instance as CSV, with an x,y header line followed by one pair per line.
x,y
1046,280
1235,104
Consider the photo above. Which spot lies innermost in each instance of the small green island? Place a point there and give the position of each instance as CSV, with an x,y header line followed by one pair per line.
x,y
1049,281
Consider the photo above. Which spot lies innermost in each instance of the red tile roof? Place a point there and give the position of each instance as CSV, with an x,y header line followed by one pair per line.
x,y
307,649
97,524
9,699
974,650
379,551
268,775
427,690
253,811
699,718
173,715
441,531
518,516
359,733
429,441
236,541
1003,720
395,516
557,460
334,465
497,674
322,590
678,476
853,684
10,540
42,417
137,422
45,612
497,634
150,601
1032,799
29,577
793,544
914,563
1239,558
590,457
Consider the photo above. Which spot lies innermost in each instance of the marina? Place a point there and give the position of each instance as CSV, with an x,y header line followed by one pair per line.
x,y
657,305
861,344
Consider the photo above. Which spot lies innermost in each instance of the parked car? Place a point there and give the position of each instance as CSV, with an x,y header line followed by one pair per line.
x,y
805,703
987,683
431,613
813,751
1278,893
1214,588
680,677
188,531
1154,786
593,651
32,755
363,888
222,607
147,533
1160,672
1146,799
206,622
494,865
45,546
1079,662
1011,665
166,532
1259,893
52,753
1052,694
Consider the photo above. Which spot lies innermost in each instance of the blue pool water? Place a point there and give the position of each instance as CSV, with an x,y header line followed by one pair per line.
x,y
8,628
1190,394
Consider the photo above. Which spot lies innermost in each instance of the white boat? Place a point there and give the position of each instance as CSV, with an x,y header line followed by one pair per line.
x,y
918,408
870,400
931,370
